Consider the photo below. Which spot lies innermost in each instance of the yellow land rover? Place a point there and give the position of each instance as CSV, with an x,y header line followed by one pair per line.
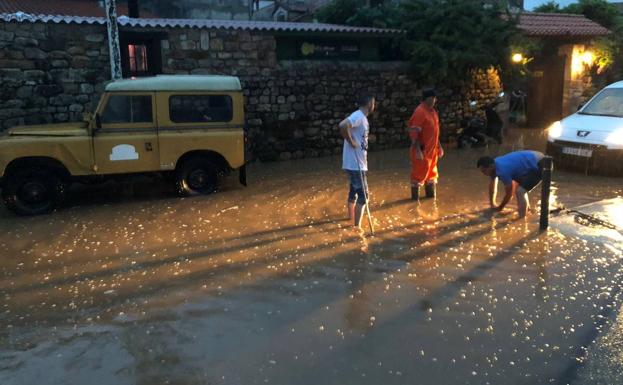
x,y
189,127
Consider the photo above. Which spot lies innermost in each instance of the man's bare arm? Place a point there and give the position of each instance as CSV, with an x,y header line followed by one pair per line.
x,y
507,197
493,191
345,127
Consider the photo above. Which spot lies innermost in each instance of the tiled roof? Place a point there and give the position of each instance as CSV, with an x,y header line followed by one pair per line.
x,y
202,24
559,25
83,8
531,23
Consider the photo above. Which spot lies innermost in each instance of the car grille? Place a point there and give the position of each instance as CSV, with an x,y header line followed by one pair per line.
x,y
580,145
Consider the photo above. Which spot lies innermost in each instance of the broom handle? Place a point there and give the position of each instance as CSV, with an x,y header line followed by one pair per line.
x,y
365,193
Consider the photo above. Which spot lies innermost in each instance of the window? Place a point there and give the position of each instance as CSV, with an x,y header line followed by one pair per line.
x,y
141,53
608,102
200,108
138,58
127,109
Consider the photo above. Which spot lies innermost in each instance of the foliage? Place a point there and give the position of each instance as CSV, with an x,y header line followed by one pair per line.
x,y
448,39
549,7
338,11
609,49
529,48
382,14
445,39
600,11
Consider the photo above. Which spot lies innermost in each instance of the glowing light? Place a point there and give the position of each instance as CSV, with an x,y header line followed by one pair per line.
x,y
555,130
580,59
616,138
517,58
588,58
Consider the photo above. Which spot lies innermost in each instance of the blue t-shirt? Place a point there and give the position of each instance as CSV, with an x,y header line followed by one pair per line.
x,y
512,166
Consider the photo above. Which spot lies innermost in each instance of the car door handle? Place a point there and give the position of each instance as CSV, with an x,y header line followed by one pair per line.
x,y
148,146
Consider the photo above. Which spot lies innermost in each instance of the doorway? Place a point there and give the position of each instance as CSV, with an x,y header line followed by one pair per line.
x,y
545,91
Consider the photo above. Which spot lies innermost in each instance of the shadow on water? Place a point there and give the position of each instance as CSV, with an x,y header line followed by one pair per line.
x,y
284,248
450,289
232,271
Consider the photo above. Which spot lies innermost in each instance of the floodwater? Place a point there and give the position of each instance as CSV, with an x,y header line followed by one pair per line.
x,y
269,285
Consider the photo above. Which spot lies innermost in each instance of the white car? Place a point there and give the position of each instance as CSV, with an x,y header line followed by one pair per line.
x,y
592,138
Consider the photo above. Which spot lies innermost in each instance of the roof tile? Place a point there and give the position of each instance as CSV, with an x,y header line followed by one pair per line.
x,y
559,25
200,24
83,8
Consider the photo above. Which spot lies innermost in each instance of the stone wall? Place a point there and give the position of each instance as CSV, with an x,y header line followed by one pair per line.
x,y
50,73
54,72
293,107
578,87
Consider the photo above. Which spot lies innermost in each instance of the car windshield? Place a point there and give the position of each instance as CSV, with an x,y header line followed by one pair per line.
x,y
609,102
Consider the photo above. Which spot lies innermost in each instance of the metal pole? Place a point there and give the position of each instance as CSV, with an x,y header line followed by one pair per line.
x,y
545,191
113,40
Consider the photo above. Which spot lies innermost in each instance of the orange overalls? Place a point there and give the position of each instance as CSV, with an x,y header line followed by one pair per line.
x,y
424,118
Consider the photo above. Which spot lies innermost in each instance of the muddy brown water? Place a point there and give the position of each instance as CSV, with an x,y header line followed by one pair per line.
x,y
269,284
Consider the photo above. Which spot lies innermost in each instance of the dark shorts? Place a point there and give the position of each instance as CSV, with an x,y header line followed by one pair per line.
x,y
531,180
356,184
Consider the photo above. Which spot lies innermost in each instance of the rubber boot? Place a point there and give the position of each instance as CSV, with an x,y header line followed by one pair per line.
x,y
431,190
415,192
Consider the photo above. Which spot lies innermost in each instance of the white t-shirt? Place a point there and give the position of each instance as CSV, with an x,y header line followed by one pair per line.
x,y
359,132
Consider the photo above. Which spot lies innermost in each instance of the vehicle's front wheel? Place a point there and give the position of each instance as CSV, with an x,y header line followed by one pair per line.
x,y
197,176
33,191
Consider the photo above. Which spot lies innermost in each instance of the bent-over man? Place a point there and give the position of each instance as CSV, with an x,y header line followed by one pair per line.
x,y
519,171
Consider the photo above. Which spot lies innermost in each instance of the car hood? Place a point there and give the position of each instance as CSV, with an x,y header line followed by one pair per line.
x,y
595,128
59,129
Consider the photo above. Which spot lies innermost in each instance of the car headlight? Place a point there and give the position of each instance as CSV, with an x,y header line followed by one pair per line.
x,y
615,138
555,130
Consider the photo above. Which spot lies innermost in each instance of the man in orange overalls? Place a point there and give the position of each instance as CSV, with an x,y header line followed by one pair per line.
x,y
425,148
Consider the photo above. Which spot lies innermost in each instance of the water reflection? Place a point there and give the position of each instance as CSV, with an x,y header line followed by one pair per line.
x,y
269,284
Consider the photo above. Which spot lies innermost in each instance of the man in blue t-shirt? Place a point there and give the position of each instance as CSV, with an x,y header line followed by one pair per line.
x,y
520,171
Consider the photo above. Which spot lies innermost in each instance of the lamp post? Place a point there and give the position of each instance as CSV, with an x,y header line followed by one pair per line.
x,y
545,192
113,39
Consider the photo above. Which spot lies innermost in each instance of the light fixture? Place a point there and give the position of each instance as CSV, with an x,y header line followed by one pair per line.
x,y
555,130
517,58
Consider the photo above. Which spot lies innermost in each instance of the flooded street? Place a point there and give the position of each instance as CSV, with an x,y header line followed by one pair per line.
x,y
269,285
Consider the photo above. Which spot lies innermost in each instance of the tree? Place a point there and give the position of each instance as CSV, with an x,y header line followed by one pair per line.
x,y
445,39
448,39
609,49
549,7
338,11
599,11
380,14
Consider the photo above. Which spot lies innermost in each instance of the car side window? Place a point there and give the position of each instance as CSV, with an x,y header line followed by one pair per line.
x,y
127,109
200,108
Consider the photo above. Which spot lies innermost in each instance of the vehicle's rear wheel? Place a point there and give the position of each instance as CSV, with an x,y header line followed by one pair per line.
x,y
33,191
197,176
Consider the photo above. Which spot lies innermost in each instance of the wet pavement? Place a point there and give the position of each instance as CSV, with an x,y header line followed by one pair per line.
x,y
269,284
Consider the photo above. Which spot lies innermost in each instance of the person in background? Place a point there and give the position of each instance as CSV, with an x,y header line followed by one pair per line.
x,y
354,130
425,149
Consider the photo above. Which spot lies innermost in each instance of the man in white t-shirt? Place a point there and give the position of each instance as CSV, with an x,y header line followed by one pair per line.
x,y
354,130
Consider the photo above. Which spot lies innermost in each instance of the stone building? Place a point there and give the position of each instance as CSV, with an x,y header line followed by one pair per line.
x,y
561,74
300,79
